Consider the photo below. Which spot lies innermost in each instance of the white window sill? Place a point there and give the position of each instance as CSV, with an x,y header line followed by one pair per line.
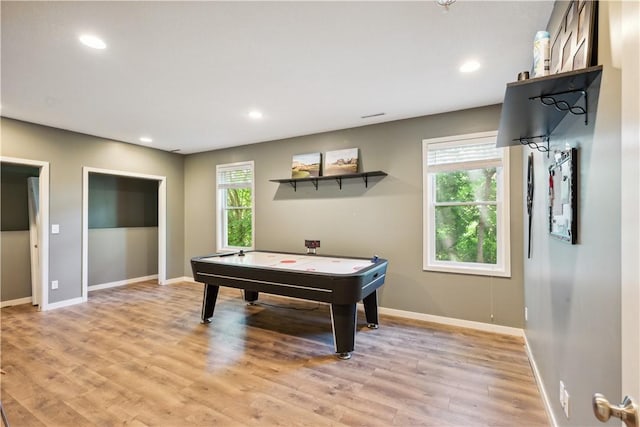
x,y
469,270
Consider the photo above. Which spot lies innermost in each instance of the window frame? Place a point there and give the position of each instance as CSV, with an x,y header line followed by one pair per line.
x,y
221,201
502,268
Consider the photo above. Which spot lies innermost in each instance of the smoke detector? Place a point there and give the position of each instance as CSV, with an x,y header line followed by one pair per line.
x,y
445,3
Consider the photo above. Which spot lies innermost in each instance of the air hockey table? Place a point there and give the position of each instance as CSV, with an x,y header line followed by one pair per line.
x,y
341,282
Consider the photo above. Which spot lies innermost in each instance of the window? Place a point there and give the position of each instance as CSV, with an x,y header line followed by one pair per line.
x,y
466,205
235,214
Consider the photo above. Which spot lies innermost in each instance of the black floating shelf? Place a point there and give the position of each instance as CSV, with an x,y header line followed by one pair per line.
x,y
338,178
533,108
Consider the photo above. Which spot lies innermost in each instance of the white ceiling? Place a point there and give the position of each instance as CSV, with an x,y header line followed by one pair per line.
x,y
187,73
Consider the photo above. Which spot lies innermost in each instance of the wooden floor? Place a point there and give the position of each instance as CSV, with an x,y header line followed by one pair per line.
x,y
138,356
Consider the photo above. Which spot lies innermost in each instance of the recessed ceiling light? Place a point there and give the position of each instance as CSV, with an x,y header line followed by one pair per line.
x,y
92,41
146,139
368,116
255,114
469,66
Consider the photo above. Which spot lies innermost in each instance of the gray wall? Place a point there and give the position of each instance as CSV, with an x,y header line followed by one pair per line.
x,y
15,274
385,219
573,292
67,152
122,253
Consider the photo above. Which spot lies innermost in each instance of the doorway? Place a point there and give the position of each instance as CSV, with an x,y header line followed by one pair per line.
x,y
39,246
162,222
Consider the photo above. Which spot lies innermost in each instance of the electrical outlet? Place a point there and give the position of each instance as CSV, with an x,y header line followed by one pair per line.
x,y
564,399
526,314
54,284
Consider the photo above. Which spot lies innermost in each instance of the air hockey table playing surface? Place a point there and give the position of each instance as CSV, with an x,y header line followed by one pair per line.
x,y
293,262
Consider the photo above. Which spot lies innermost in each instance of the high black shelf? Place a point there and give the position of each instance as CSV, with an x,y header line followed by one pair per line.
x,y
314,180
533,108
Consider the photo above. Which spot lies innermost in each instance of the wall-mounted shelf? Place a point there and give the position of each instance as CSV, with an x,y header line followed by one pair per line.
x,y
338,178
533,108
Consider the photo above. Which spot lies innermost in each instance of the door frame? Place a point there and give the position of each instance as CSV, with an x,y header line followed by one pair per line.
x,y
630,199
43,235
162,222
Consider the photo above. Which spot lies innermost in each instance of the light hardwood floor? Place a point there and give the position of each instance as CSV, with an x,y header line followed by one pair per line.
x,y
138,356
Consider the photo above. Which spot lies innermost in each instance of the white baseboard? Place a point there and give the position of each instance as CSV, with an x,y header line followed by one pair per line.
x,y
19,301
178,280
120,283
65,303
541,388
470,324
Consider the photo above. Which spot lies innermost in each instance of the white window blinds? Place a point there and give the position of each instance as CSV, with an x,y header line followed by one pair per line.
x,y
239,176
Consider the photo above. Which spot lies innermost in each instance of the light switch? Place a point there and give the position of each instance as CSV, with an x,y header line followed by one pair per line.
x,y
55,228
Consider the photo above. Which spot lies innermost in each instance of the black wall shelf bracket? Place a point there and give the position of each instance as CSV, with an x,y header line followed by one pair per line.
x,y
563,106
314,180
539,142
294,183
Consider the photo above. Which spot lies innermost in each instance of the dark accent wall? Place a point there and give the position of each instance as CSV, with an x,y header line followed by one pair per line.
x,y
14,208
118,201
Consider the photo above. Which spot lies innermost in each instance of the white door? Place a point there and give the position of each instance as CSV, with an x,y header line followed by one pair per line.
x,y
630,135
627,15
33,188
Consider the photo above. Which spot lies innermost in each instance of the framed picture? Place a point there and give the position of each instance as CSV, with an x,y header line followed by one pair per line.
x,y
306,165
341,162
556,49
573,44
563,196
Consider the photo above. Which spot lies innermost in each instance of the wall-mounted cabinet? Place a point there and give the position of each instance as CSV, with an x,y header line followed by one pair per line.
x,y
338,178
533,108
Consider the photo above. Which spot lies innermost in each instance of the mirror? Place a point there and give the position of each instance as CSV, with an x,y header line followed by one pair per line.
x,y
563,199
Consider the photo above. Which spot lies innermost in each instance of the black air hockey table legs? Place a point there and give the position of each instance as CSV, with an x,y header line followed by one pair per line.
x,y
208,302
343,317
250,296
343,321
210,297
371,309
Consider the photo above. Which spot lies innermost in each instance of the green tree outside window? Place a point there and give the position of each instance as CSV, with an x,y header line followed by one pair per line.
x,y
466,216
238,217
